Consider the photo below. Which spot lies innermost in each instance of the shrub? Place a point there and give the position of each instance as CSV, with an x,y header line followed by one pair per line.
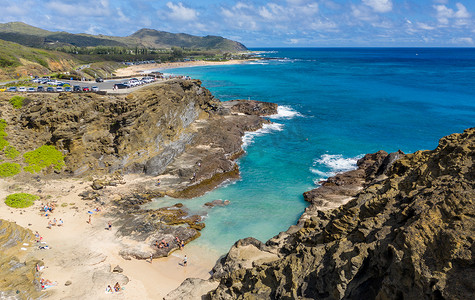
x,y
11,152
3,142
43,157
17,101
20,200
9,169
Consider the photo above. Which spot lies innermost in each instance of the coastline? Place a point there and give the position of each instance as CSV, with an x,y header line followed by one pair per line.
x,y
80,252
136,69
83,255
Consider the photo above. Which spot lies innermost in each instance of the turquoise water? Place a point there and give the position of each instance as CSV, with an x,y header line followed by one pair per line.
x,y
337,105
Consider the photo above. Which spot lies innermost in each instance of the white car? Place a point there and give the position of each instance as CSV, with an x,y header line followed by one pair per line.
x,y
95,89
22,89
31,90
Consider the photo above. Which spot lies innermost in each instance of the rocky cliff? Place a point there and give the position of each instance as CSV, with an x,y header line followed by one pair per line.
x,y
141,132
408,234
17,265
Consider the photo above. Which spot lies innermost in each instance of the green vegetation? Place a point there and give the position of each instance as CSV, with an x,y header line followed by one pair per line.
x,y
11,152
9,169
20,200
3,134
17,101
43,157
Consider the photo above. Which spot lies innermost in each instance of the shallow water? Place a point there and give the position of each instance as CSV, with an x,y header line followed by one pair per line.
x,y
338,104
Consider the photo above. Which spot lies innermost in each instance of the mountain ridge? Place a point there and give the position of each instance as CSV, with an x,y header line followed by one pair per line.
x,y
32,36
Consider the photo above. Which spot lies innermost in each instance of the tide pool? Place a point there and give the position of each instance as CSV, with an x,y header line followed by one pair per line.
x,y
336,106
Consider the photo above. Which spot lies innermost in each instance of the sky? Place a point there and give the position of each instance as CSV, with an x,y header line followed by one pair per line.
x,y
259,23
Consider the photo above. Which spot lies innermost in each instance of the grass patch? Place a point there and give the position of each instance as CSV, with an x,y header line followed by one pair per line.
x,y
43,157
20,200
3,134
11,152
9,169
17,101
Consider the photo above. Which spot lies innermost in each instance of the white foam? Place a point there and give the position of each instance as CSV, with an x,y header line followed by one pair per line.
x,y
285,112
332,164
248,137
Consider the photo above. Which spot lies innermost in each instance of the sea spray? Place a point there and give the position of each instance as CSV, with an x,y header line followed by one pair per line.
x,y
285,112
328,165
249,136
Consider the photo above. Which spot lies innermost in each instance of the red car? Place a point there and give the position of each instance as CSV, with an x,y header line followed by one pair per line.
x,y
86,89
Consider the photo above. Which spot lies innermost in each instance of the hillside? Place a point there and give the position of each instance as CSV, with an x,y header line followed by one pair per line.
x,y
35,37
19,61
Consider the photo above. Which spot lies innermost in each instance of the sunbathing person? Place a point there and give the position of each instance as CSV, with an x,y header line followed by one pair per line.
x,y
117,287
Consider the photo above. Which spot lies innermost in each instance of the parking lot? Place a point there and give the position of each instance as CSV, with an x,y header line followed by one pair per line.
x,y
123,85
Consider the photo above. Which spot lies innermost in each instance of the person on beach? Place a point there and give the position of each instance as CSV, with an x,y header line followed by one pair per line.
x,y
54,222
185,261
90,222
50,224
151,257
109,289
60,223
182,245
117,287
110,225
158,182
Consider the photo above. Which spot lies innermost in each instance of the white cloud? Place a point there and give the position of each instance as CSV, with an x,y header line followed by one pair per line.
x,y
181,13
92,8
363,13
122,16
424,26
380,6
445,14
462,40
462,12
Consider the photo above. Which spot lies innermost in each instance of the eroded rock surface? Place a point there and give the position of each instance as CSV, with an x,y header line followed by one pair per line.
x,y
407,235
19,279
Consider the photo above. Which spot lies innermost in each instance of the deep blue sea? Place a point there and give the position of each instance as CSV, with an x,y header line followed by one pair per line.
x,y
336,105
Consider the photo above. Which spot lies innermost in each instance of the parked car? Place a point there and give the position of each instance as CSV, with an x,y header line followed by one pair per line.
x,y
76,88
59,89
40,89
99,79
86,89
118,86
67,89
50,89
22,89
3,89
95,89
31,90
11,89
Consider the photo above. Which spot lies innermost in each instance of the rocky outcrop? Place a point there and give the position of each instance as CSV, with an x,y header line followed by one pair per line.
x,y
251,107
141,132
407,235
17,266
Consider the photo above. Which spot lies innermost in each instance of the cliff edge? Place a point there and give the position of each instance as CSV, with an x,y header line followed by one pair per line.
x,y
407,235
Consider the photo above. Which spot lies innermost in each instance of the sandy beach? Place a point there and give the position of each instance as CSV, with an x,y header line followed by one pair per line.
x,y
136,69
85,254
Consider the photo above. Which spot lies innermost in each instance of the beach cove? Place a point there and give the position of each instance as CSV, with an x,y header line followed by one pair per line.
x,y
318,134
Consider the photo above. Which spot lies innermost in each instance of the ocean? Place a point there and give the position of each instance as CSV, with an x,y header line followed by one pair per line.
x,y
335,106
